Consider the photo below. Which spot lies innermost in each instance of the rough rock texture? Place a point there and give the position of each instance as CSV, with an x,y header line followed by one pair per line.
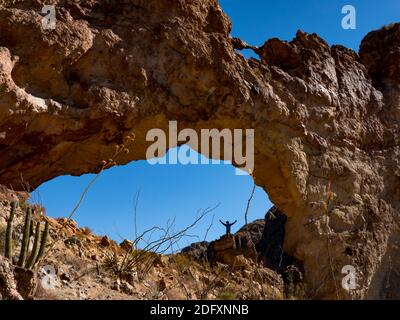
x,y
197,250
8,284
26,282
270,245
322,116
254,230
245,242
233,250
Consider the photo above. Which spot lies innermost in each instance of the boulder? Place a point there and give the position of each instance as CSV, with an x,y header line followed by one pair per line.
x,y
228,248
105,242
198,250
253,229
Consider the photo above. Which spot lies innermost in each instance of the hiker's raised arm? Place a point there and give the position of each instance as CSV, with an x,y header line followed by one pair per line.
x,y
221,222
234,222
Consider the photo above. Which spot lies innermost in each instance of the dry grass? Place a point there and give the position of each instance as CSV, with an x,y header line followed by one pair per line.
x,y
76,263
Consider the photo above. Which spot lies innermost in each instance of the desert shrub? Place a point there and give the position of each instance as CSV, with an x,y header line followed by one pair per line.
x,y
111,263
143,255
134,261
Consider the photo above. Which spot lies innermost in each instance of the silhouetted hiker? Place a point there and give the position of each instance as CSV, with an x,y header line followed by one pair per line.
x,y
228,226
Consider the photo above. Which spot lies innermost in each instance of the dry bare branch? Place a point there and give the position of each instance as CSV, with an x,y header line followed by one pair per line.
x,y
249,202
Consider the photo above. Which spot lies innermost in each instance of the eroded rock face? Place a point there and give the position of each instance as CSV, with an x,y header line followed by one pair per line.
x,y
8,284
271,243
233,250
322,115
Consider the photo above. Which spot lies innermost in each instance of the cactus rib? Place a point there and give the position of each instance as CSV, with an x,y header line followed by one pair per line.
x,y
25,238
35,249
9,231
43,242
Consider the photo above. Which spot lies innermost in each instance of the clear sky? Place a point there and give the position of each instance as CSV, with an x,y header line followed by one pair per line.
x,y
177,191
255,21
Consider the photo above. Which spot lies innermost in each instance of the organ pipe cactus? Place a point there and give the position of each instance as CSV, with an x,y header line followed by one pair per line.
x,y
39,243
9,232
45,236
25,238
35,249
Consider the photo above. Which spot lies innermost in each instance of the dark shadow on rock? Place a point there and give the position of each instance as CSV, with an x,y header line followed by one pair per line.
x,y
197,250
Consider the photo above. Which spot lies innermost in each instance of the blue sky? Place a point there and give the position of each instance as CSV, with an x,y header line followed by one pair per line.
x,y
167,192
177,191
255,21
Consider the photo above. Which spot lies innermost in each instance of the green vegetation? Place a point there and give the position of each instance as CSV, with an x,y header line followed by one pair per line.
x,y
32,259
43,243
9,231
25,237
39,244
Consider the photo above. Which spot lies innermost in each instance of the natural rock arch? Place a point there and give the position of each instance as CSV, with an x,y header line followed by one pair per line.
x,y
321,115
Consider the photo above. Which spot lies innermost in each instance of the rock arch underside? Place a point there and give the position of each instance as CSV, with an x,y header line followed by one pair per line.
x,y
322,116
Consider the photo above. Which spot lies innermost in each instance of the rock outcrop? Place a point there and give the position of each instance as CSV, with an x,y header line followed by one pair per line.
x,y
8,284
270,246
326,119
233,250
254,230
261,241
197,250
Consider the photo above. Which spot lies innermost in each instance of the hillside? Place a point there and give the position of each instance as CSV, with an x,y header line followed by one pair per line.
x,y
86,266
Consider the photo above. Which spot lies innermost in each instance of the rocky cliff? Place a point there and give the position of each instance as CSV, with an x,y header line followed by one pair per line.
x,y
258,243
326,119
